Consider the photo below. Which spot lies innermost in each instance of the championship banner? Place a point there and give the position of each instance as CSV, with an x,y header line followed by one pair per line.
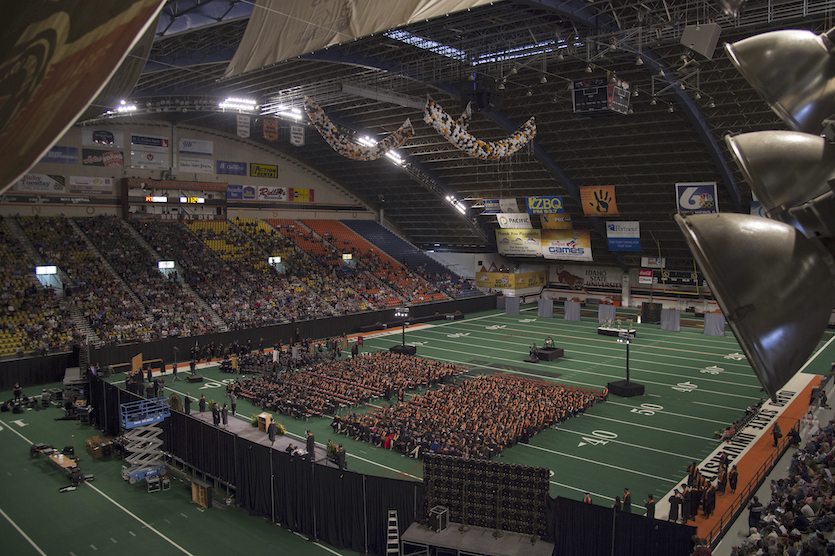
x,y
243,126
86,185
61,155
149,143
301,195
272,194
624,236
519,242
495,206
599,200
196,146
510,281
263,170
556,221
515,221
41,183
568,245
297,135
696,198
544,205
231,168
98,157
102,138
146,159
193,165
270,129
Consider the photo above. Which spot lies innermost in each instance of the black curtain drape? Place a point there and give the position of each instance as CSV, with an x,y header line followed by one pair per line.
x,y
294,488
636,535
338,507
194,445
226,457
582,528
252,467
383,494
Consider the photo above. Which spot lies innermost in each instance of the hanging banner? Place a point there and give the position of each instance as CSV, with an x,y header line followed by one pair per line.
x,y
505,204
696,198
297,135
301,195
196,146
544,205
231,168
263,170
190,164
556,221
599,200
102,138
61,155
271,129
515,221
569,245
519,242
243,126
624,236
41,183
653,262
146,159
98,157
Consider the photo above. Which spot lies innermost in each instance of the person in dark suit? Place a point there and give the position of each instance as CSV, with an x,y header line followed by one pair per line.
x,y
201,403
215,414
224,415
649,504
627,501
675,504
187,404
686,503
311,447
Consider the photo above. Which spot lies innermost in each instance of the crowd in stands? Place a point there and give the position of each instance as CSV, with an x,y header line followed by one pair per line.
x,y
322,388
800,516
447,282
31,318
113,314
474,419
124,298
170,310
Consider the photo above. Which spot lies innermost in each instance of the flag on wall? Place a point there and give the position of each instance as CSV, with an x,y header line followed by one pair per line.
x,y
243,125
270,129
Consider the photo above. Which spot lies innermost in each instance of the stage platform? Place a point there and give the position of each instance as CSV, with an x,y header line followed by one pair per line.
x,y
625,389
549,354
404,350
477,541
616,331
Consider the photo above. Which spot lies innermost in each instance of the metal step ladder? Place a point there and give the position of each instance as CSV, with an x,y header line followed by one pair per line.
x,y
392,535
139,420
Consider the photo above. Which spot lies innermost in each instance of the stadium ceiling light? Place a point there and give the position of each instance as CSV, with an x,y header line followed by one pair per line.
x,y
793,71
240,104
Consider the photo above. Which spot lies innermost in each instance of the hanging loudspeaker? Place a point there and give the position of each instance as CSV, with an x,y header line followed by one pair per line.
x,y
793,71
789,174
772,284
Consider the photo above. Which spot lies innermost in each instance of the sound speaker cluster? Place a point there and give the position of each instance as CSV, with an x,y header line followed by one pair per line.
x,y
501,496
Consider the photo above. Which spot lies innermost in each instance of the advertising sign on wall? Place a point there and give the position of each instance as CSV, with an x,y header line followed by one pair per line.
x,y
569,245
556,221
514,221
86,185
146,159
98,157
41,183
624,236
231,168
510,281
196,165
495,206
61,155
272,194
196,146
519,242
696,198
301,195
149,143
263,170
544,205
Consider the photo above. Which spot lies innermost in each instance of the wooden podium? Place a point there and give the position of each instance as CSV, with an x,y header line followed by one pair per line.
x,y
264,420
201,493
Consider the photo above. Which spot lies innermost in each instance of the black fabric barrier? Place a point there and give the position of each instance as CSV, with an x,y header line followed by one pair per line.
x,y
33,371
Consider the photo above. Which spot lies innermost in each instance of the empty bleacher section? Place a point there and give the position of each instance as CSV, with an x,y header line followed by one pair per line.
x,y
31,319
170,310
408,285
413,258
113,314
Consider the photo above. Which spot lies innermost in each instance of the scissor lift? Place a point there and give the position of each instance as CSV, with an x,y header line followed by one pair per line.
x,y
139,421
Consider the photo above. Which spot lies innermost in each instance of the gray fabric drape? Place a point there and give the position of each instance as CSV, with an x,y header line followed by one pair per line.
x,y
512,305
605,312
546,308
572,310
714,324
671,320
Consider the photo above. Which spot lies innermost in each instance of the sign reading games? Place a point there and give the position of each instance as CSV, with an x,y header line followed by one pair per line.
x,y
263,170
569,245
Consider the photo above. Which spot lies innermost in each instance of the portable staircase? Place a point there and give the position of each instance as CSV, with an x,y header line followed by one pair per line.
x,y
392,535
139,421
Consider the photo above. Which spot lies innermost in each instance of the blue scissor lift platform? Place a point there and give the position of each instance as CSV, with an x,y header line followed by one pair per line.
x,y
139,421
